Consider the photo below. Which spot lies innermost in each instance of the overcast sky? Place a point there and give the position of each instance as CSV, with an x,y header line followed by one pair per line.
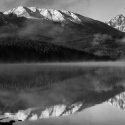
x,y
102,10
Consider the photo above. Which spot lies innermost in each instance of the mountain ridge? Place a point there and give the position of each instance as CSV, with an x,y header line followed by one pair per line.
x,y
37,13
28,26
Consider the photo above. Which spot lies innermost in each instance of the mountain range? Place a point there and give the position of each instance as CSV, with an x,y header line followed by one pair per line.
x,y
31,34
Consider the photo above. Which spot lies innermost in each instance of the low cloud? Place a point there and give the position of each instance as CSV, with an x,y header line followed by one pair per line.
x,y
38,28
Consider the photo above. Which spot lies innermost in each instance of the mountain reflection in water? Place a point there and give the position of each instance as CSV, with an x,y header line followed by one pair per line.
x,y
118,101
100,114
33,92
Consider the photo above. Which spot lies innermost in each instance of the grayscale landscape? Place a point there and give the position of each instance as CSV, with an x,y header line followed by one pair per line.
x,y
62,62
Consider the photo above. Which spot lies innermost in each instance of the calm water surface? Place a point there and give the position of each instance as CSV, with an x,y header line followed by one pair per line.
x,y
95,86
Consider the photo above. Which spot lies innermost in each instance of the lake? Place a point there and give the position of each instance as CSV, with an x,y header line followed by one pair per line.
x,y
63,93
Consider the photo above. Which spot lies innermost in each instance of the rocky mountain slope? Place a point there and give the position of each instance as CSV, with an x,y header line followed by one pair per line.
x,y
117,22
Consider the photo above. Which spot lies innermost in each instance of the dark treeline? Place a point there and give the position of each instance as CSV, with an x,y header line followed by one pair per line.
x,y
24,50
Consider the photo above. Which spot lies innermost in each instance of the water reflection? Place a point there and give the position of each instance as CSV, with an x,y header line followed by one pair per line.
x,y
32,92
100,114
118,101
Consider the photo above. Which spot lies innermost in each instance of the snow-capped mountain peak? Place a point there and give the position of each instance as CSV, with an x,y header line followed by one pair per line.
x,y
49,14
117,22
120,16
34,9
19,10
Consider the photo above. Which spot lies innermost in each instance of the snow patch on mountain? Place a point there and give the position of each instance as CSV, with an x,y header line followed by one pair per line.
x,y
73,17
53,15
19,11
